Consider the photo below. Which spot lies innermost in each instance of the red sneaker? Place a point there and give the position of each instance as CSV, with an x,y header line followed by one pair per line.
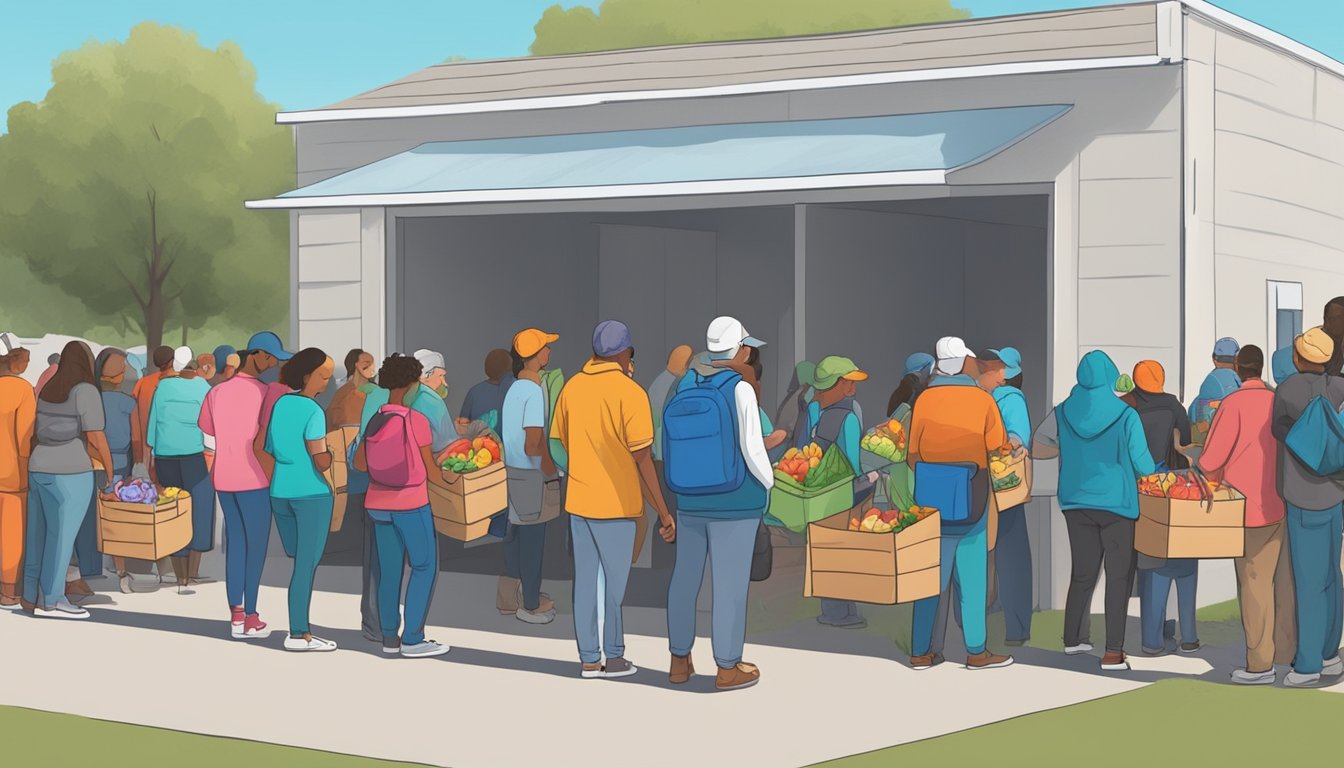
x,y
236,615
252,628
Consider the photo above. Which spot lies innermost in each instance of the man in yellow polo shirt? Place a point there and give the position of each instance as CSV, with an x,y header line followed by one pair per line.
x,y
604,423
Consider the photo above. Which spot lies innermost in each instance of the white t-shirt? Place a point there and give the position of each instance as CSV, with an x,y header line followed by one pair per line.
x,y
524,406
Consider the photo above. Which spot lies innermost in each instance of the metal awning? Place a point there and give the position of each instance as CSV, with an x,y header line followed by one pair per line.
x,y
712,159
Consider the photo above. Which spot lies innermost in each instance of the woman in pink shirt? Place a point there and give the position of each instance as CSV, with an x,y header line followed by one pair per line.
x,y
1241,452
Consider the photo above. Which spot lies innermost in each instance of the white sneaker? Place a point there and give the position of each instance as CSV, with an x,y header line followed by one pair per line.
x,y
424,650
1078,650
313,643
63,609
1295,680
535,617
1333,667
1242,677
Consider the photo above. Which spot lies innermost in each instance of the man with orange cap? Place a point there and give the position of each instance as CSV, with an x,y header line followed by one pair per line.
x,y
1164,420
1315,506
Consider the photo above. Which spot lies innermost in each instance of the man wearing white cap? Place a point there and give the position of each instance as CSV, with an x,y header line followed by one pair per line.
x,y
717,515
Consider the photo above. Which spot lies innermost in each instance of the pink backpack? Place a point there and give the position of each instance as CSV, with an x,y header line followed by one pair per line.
x,y
391,451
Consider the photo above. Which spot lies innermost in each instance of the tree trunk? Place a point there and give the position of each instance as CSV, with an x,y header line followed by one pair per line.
x,y
184,335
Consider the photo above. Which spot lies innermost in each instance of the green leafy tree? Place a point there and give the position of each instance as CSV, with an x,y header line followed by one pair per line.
x,y
124,187
638,23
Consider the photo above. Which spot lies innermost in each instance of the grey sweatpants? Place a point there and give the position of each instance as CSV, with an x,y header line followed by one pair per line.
x,y
605,545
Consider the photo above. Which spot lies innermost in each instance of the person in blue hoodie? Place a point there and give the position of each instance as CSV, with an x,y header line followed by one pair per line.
x,y
1221,382
1102,452
1012,555
1282,365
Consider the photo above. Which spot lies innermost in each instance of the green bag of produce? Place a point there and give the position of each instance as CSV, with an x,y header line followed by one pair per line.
x,y
833,468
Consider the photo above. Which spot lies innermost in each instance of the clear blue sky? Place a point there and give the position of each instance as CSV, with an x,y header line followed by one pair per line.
x,y
309,53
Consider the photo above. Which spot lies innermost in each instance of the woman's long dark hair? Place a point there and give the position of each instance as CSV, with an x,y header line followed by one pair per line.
x,y
904,392
76,367
297,368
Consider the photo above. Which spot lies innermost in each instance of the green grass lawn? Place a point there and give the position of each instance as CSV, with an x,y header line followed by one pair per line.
x,y
51,740
1172,722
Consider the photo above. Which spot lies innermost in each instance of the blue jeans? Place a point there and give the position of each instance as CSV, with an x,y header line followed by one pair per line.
x,y
405,536
57,506
86,541
1012,566
1155,587
1314,547
607,545
965,557
728,546
524,551
303,525
247,534
190,474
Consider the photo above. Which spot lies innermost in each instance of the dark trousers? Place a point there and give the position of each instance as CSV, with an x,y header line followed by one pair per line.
x,y
1097,537
524,547
1012,566
88,557
370,622
190,474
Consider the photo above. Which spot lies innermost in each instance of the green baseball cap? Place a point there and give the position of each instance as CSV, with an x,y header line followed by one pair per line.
x,y
834,368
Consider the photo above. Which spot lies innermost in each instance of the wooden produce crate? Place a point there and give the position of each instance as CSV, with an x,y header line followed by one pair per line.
x,y
867,567
144,531
463,509
1190,528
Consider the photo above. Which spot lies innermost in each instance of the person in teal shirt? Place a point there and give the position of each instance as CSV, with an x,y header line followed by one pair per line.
x,y
1012,555
296,437
1221,382
177,448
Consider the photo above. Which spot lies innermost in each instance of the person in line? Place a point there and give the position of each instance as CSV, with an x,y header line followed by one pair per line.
x,y
661,390
793,407
1240,453
486,398
178,459
918,372
53,361
1012,552
833,419
230,422
1315,513
1332,322
68,430
118,409
226,364
427,401
18,411
1166,429
528,458
1102,452
603,423
720,527
396,455
348,402
957,422
205,367
1221,381
143,392
1281,364
301,500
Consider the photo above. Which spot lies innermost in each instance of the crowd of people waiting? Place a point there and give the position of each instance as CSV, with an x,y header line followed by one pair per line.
x,y
246,426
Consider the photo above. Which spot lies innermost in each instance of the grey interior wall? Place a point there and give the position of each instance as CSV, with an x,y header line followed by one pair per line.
x,y
469,283
884,284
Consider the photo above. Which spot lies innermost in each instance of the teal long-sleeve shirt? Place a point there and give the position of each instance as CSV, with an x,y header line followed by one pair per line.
x,y
172,429
1013,408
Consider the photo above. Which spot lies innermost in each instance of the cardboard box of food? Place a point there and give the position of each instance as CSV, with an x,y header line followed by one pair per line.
x,y
464,504
1017,494
144,531
867,567
338,474
1180,528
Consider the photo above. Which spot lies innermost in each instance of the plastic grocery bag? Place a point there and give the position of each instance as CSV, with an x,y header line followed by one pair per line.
x,y
1317,439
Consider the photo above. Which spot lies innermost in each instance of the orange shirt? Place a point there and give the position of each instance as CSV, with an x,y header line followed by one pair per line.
x,y
18,413
602,418
143,392
955,423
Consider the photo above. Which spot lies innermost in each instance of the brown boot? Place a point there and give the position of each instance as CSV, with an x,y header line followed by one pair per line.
x,y
78,588
9,596
507,595
987,660
683,669
742,675
1114,661
928,661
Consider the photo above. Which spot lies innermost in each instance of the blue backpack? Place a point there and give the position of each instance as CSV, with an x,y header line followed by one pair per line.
x,y
701,456
1317,438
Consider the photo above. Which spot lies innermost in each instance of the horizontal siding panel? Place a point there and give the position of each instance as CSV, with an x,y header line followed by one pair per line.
x,y
1259,166
1132,156
1129,261
1088,33
1330,99
1275,248
1129,212
1265,214
329,301
323,228
1129,311
338,262
334,337
1255,71
1237,115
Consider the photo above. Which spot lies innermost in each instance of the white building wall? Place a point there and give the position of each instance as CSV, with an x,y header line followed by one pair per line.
x,y
1265,193
340,267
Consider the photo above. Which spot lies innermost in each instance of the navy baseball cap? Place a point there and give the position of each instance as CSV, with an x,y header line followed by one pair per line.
x,y
268,342
611,338
1226,348
919,362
